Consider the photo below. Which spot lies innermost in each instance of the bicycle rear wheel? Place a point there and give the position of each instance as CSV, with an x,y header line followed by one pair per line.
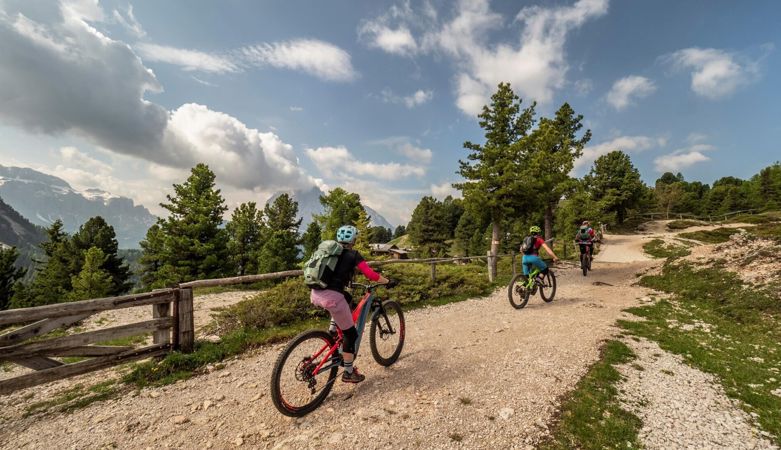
x,y
386,334
548,286
517,292
295,389
584,263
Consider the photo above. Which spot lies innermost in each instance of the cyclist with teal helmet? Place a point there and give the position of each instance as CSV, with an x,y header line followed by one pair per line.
x,y
337,301
531,251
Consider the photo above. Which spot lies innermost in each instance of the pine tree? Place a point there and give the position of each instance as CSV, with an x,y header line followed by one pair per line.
x,y
152,256
194,244
93,281
362,224
280,249
311,239
52,281
96,232
493,170
400,231
245,231
9,275
341,208
428,228
615,184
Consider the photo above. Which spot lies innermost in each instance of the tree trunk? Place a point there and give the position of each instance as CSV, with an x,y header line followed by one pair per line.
x,y
548,221
495,233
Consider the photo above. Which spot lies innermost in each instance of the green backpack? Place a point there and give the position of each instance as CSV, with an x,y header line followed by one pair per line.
x,y
584,235
326,256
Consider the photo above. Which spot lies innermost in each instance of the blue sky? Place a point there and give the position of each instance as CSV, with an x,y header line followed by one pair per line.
x,y
376,97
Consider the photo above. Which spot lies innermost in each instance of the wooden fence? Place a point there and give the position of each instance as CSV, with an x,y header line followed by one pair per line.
x,y
172,327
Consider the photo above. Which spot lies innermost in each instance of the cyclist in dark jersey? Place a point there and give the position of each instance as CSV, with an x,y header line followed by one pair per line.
x,y
337,301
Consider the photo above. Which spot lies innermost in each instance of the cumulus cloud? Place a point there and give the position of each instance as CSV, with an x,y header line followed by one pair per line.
x,y
625,90
584,87
442,190
535,65
62,75
675,162
417,154
417,98
626,144
191,60
715,73
339,162
390,33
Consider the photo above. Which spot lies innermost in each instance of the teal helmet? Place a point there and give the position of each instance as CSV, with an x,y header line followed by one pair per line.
x,y
346,234
535,230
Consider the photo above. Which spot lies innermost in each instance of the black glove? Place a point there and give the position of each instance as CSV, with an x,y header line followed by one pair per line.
x,y
392,283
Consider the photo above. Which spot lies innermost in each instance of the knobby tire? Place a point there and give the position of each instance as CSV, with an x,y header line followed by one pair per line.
x,y
383,328
280,368
523,294
548,289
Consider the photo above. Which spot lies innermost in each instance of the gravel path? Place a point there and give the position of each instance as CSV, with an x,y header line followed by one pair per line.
x,y
474,374
682,407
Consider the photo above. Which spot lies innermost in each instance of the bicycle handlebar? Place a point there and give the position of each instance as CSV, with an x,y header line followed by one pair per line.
x,y
370,287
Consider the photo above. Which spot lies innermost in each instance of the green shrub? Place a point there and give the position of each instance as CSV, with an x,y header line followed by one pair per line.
x,y
659,249
716,236
683,224
767,230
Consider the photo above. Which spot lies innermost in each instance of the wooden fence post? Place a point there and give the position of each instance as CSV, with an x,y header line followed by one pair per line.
x,y
186,320
433,272
491,271
159,311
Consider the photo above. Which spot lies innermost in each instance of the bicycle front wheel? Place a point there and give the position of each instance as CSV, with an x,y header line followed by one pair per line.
x,y
548,286
386,334
517,292
295,389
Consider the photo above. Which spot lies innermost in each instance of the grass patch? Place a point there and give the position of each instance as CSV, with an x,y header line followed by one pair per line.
x,y
592,417
716,236
630,226
722,327
684,224
128,341
465,400
659,249
768,231
75,398
765,217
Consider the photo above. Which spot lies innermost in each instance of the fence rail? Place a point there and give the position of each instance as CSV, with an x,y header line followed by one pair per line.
x,y
172,327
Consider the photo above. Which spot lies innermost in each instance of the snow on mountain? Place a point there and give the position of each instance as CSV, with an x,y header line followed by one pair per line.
x,y
45,198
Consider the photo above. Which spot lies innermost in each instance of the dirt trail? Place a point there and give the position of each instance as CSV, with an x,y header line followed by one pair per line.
x,y
475,374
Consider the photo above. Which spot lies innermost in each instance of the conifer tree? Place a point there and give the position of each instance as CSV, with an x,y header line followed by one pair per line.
x,y
9,275
194,246
280,248
245,230
96,232
428,228
93,281
311,239
341,208
615,184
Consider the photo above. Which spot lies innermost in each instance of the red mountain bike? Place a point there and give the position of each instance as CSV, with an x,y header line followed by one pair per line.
x,y
305,371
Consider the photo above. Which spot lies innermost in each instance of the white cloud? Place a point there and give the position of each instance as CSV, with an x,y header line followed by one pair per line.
x,y
628,88
64,76
694,138
417,98
715,73
442,190
191,60
417,154
626,144
398,41
339,162
128,20
315,57
535,67
389,31
675,162
296,108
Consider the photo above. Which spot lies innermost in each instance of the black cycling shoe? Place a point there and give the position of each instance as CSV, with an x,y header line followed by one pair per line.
x,y
354,377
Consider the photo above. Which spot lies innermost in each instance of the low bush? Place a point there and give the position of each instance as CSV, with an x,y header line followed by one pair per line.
x,y
716,236
683,224
659,249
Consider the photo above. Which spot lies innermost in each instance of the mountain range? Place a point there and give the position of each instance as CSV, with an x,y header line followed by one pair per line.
x,y
43,198
309,205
